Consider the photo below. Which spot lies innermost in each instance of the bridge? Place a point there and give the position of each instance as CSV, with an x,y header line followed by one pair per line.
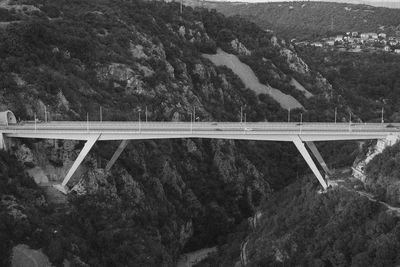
x,y
303,135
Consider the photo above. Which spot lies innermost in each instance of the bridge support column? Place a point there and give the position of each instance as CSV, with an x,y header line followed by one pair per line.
x,y
117,153
307,157
85,150
314,150
2,142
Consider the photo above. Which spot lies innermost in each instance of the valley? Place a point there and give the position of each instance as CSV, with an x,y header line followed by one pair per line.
x,y
189,199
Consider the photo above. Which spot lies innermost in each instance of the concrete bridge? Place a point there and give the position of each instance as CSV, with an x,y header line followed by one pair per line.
x,y
301,134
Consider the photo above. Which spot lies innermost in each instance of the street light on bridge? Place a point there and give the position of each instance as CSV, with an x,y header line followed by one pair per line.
x,y
335,114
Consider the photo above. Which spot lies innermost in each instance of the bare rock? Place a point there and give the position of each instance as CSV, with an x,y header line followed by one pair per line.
x,y
137,51
240,48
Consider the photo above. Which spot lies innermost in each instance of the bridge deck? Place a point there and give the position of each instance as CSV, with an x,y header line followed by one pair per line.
x,y
298,133
225,130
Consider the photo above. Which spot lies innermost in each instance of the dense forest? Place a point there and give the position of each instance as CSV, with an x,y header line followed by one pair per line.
x,y
367,82
312,19
338,228
163,197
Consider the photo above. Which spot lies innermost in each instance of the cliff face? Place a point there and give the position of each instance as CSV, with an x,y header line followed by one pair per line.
x,y
70,59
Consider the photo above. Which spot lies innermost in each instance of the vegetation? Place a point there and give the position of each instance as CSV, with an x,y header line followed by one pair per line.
x,y
364,82
309,20
301,227
165,196
383,175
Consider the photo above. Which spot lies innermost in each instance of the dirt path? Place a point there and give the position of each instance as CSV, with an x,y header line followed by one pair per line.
x,y
250,80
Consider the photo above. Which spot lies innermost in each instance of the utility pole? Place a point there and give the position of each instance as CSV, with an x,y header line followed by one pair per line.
x,y
35,122
241,114
382,121
101,114
87,121
194,114
146,114
45,113
288,116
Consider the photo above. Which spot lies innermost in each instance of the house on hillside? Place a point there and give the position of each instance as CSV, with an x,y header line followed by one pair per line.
x,y
369,35
330,42
397,51
387,48
339,38
354,34
317,44
364,36
373,35
382,35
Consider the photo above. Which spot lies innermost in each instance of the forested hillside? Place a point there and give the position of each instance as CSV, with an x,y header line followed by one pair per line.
x,y
367,82
307,20
70,58
297,227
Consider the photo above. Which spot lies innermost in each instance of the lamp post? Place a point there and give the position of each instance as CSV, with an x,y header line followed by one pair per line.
x,y
350,121
241,114
382,120
140,126
335,114
45,113
191,122
301,121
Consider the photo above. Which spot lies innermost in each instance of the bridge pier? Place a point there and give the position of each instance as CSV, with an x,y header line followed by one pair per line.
x,y
117,153
2,142
85,150
307,157
317,155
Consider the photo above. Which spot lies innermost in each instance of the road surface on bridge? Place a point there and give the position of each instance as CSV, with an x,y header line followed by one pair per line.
x,y
300,134
274,131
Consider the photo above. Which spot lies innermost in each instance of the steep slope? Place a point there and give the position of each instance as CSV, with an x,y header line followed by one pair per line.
x,y
312,19
298,226
246,74
367,82
69,58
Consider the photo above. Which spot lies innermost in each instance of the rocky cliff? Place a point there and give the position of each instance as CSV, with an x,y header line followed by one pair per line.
x,y
162,197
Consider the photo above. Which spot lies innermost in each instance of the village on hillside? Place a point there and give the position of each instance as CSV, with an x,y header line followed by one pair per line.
x,y
357,42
